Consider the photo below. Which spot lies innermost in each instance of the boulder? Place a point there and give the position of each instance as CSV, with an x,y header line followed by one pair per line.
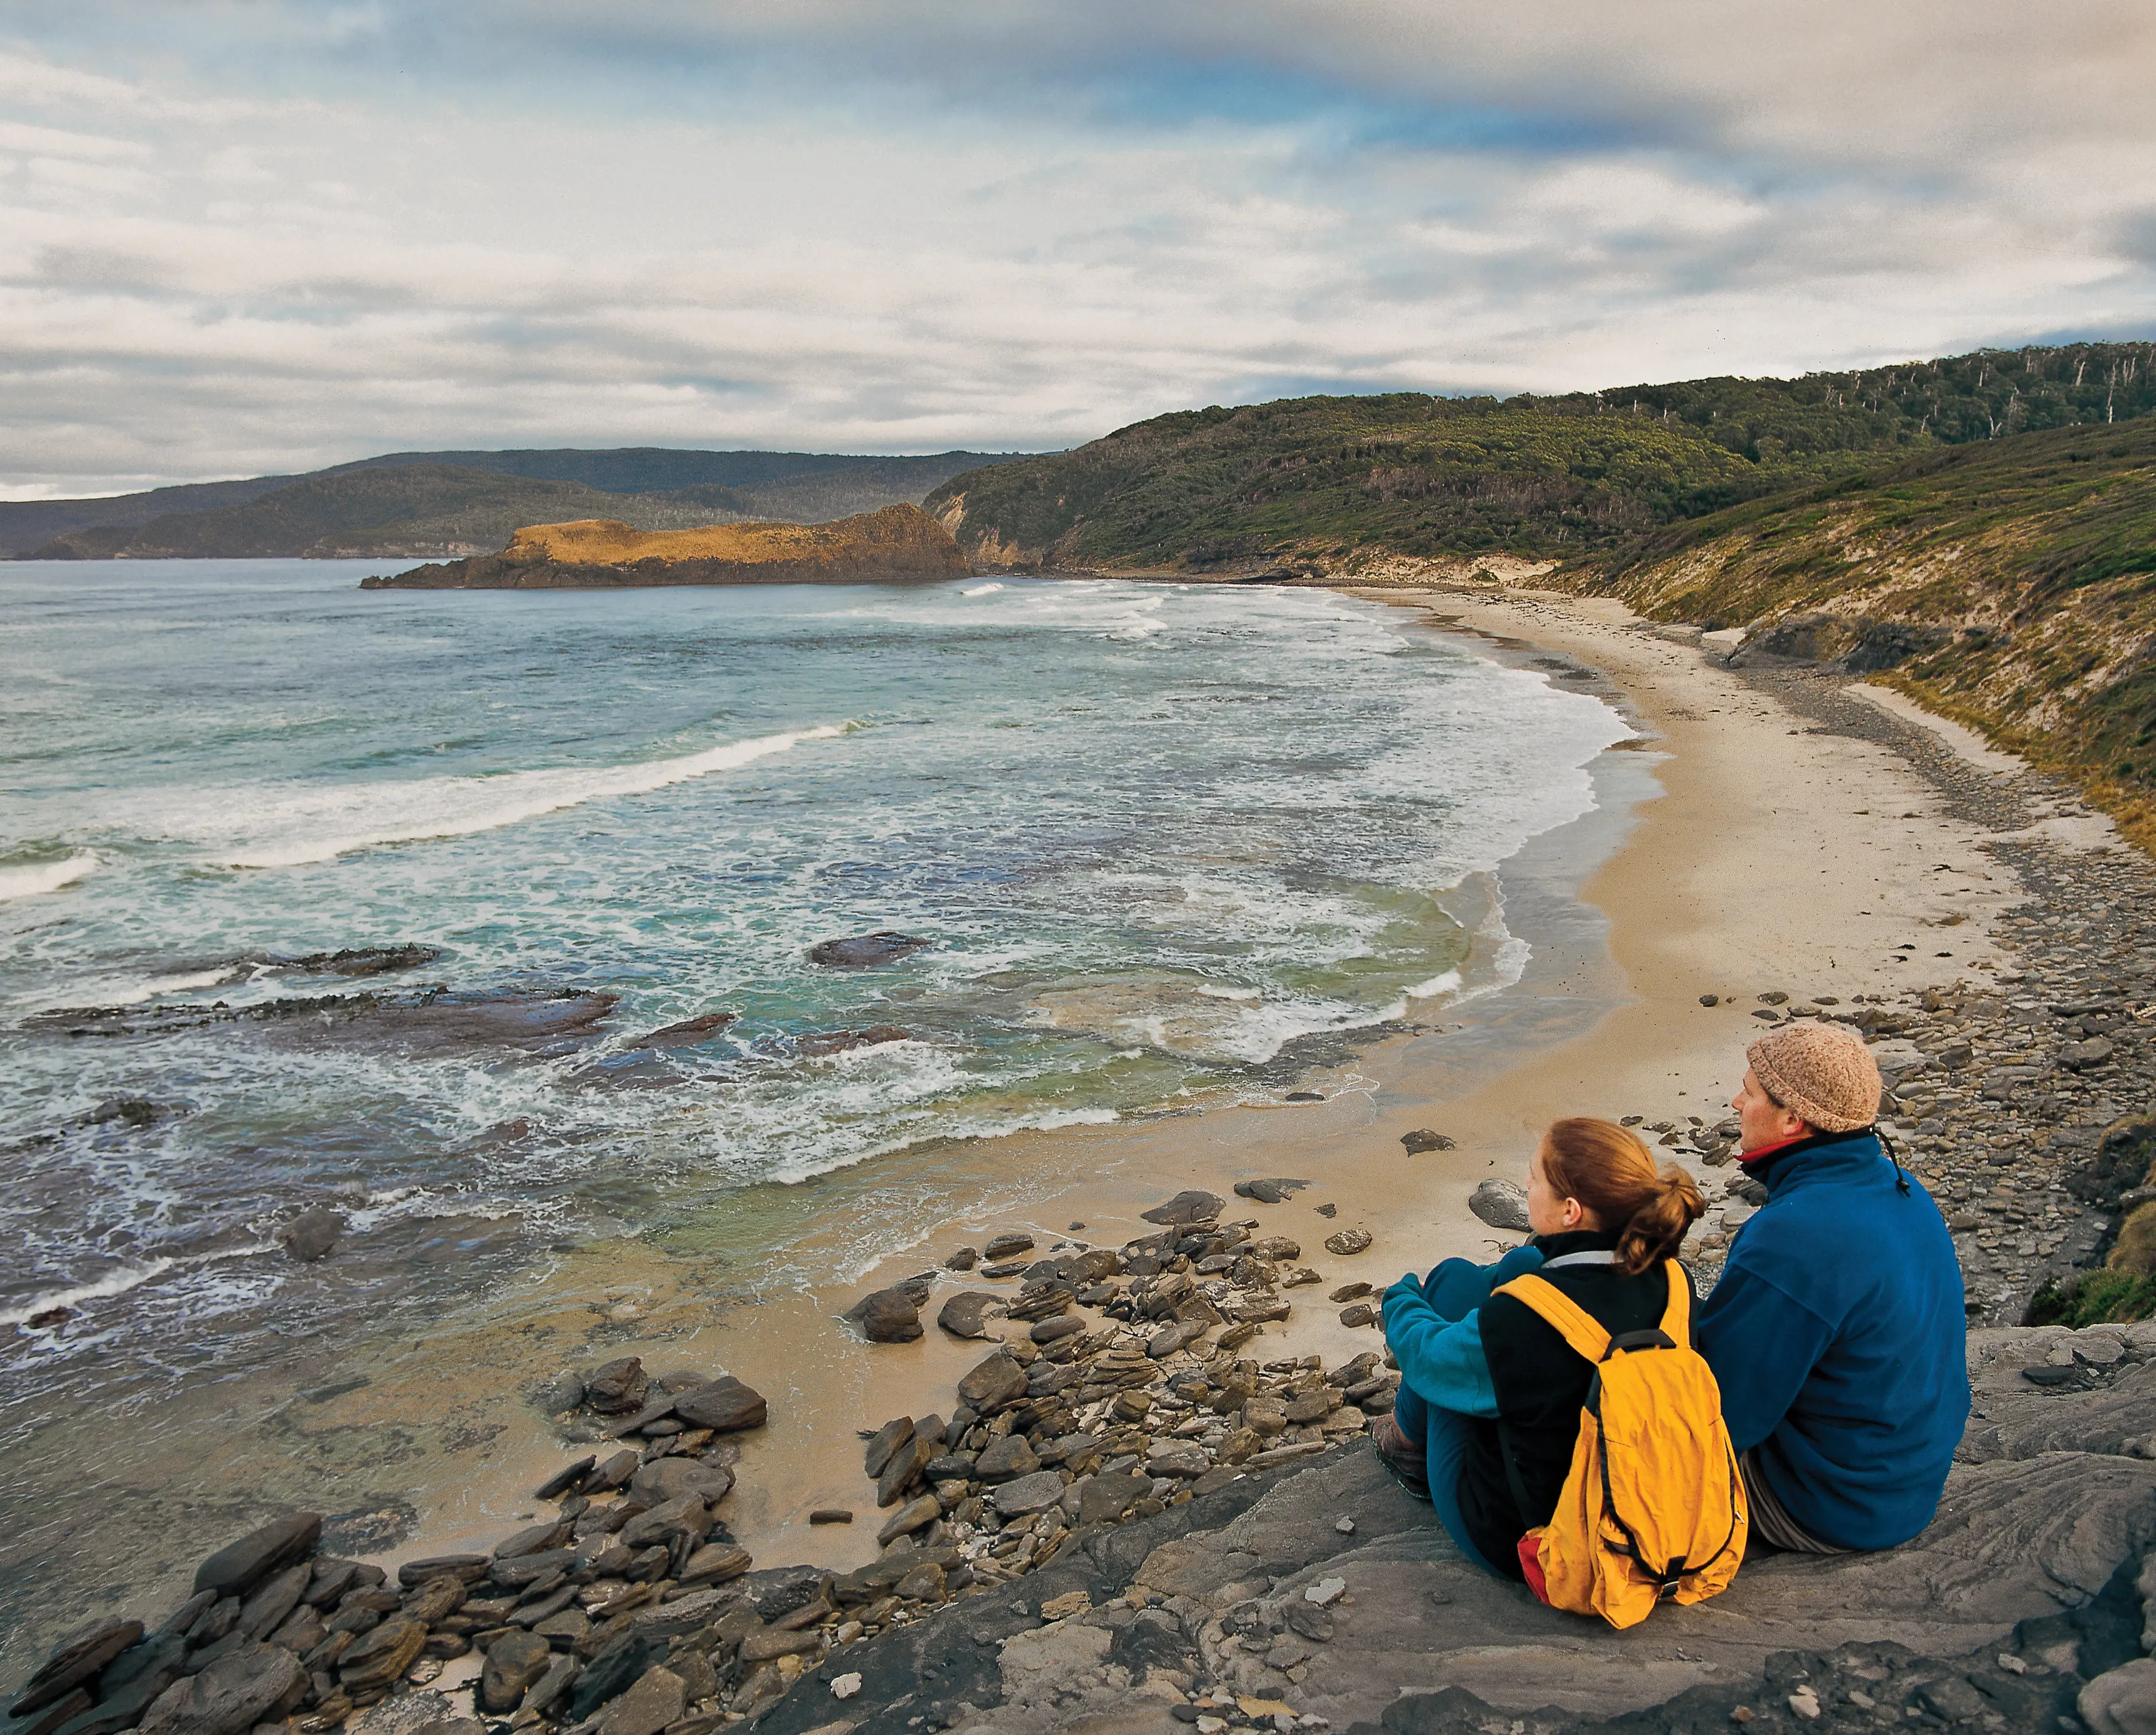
x,y
1501,1204
1008,1244
887,1315
267,1605
238,1567
1003,1460
2122,1700
725,1406
253,1684
1186,1209
619,1386
1033,1493
75,1660
993,1383
513,1662
310,1235
1269,1193
1423,1139
657,1698
865,952
1347,1241
888,1439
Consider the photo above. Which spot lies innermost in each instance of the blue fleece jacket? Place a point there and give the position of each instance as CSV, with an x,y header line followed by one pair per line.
x,y
1838,1336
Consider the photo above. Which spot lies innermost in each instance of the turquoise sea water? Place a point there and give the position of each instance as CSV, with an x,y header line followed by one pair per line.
x,y
1160,838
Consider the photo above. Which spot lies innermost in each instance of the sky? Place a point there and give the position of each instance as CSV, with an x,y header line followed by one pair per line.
x,y
247,237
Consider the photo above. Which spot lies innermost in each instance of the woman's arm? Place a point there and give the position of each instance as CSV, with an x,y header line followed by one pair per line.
x,y
1442,1359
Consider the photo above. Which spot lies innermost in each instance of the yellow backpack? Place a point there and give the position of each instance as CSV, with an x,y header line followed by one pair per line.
x,y
1653,1505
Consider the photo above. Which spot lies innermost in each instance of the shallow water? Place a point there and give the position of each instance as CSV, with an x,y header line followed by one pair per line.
x,y
1161,839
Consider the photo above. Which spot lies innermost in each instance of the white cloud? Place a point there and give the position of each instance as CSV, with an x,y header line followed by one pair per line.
x,y
287,235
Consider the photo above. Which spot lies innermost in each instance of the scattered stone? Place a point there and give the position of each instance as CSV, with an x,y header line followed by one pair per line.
x,y
513,1663
993,1383
1269,1193
618,1388
845,1687
1029,1494
1423,1138
1350,1292
1325,1591
831,1515
1362,1313
964,1260
1501,1204
1008,1244
1346,1242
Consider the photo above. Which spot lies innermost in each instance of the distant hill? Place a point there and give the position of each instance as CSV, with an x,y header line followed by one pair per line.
x,y
1325,480
2008,583
428,504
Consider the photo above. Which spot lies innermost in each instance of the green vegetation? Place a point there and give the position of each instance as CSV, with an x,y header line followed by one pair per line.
x,y
2010,584
2100,1298
1334,480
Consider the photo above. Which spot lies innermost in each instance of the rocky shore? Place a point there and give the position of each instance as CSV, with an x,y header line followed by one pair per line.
x,y
1128,1519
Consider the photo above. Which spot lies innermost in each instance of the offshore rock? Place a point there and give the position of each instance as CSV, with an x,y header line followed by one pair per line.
x,y
900,542
865,952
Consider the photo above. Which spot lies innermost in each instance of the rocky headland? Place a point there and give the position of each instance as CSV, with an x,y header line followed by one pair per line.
x,y
898,542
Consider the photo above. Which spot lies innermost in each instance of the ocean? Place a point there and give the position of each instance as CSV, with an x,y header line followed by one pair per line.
x,y
1163,845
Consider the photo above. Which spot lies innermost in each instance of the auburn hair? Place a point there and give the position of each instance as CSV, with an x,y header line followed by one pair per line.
x,y
1611,1172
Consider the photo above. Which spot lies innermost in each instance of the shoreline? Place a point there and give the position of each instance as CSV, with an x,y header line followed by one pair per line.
x,y
1668,888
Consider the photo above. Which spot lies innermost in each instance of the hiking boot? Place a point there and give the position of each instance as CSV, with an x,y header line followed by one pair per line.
x,y
1402,1457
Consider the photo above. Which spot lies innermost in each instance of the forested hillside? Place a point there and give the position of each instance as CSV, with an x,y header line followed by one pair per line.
x,y
1328,480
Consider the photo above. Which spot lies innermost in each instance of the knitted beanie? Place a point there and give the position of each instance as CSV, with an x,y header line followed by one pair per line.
x,y
1821,1072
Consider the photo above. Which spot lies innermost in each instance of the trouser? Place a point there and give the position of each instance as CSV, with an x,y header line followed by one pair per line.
x,y
1771,1522
1455,1290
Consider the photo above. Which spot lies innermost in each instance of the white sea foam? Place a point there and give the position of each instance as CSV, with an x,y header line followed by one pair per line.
x,y
120,1280
135,994
288,828
1447,984
33,878
981,590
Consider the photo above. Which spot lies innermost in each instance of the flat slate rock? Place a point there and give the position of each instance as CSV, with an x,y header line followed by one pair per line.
x,y
238,1567
726,1405
1269,1193
1186,1209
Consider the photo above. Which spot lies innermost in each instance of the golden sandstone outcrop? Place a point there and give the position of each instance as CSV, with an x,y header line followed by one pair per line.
x,y
900,542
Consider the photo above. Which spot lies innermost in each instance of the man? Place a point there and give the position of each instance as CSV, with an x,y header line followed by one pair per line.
x,y
1837,1332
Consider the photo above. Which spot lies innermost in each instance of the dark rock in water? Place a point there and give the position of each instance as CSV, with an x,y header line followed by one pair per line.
x,y
310,1235
688,1032
723,1406
238,1567
432,1021
253,1684
136,1111
1303,1096
964,1260
888,1315
818,1044
565,1478
657,1410
358,960
619,1386
666,1480
1008,1244
1269,1193
865,951
965,1315
56,1715
1186,1207
564,1391
72,1662
1423,1139
132,1685
1501,1204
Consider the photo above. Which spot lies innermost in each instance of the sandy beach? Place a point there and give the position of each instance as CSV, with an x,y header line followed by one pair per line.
x,y
1738,850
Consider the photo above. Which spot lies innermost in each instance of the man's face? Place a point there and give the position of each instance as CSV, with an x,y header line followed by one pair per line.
x,y
1764,1121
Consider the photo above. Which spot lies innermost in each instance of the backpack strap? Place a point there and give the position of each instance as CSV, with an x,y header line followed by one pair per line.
x,y
1677,1321
1572,1322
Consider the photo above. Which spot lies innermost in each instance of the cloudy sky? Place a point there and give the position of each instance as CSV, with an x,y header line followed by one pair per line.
x,y
245,236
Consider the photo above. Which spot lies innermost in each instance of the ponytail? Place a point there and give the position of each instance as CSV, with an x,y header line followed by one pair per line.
x,y
1611,1172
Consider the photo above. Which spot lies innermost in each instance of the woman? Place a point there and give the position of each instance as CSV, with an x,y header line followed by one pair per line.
x,y
1490,1397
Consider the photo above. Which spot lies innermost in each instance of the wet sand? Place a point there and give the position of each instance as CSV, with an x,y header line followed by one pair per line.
x,y
1739,852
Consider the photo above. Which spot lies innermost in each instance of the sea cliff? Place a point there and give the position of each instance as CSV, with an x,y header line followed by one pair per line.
x,y
900,542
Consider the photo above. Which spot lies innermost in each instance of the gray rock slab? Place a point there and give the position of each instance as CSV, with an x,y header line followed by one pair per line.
x,y
235,1569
